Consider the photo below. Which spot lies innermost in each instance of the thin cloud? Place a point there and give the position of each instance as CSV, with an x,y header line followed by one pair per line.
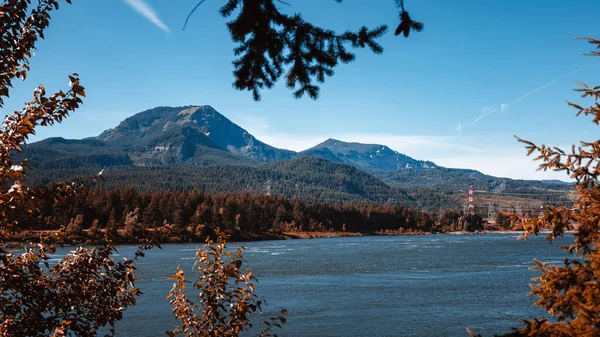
x,y
416,146
486,112
487,154
146,11
513,164
505,106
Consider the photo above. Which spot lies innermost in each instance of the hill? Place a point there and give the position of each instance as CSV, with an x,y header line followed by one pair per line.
x,y
307,178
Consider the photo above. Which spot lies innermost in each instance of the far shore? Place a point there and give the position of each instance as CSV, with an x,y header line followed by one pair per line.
x,y
315,235
305,235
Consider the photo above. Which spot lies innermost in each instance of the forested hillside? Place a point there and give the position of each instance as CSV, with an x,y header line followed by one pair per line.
x,y
308,178
185,216
182,148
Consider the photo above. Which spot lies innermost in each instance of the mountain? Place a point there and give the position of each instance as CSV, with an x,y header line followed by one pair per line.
x,y
60,153
197,147
366,156
196,135
178,132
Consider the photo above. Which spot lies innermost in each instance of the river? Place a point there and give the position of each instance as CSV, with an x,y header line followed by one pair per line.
x,y
433,285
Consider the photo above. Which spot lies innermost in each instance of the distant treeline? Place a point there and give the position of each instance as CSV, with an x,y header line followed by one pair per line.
x,y
184,216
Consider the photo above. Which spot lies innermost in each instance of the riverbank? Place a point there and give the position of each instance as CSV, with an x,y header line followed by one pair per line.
x,y
316,235
20,239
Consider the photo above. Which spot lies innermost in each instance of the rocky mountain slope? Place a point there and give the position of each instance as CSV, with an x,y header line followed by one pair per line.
x,y
366,156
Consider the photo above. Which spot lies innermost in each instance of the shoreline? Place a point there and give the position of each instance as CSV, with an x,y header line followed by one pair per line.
x,y
12,244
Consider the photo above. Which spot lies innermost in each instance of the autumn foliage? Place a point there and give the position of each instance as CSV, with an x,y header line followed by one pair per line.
x,y
226,295
86,289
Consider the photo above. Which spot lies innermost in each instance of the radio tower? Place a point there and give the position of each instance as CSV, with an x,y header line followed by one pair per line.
x,y
492,211
471,204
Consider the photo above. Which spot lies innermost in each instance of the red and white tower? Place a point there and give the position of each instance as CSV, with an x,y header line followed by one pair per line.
x,y
471,203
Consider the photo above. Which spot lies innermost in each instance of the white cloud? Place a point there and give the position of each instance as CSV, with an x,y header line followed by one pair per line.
x,y
146,11
515,166
483,154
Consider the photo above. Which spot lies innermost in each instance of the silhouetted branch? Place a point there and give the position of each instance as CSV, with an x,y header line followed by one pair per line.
x,y
271,44
192,12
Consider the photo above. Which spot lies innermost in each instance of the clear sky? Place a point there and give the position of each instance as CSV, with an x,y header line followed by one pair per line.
x,y
456,93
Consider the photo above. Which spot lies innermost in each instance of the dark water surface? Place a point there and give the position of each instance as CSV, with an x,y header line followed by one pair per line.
x,y
432,285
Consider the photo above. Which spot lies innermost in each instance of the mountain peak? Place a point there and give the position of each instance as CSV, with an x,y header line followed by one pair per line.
x,y
366,156
166,127
199,109
331,141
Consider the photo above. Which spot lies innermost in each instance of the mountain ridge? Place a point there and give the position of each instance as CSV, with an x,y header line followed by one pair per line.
x,y
197,136
369,156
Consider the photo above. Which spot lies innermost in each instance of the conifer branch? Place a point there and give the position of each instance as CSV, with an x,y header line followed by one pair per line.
x,y
272,45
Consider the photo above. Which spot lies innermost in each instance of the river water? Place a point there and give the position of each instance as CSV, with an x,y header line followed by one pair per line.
x,y
435,285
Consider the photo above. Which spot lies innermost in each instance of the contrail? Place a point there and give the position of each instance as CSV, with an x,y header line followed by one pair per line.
x,y
505,106
485,113
146,11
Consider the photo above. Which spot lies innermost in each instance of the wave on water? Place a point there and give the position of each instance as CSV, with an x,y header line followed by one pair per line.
x,y
277,253
187,250
275,247
256,250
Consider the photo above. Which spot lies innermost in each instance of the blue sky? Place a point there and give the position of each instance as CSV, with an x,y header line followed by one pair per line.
x,y
456,93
